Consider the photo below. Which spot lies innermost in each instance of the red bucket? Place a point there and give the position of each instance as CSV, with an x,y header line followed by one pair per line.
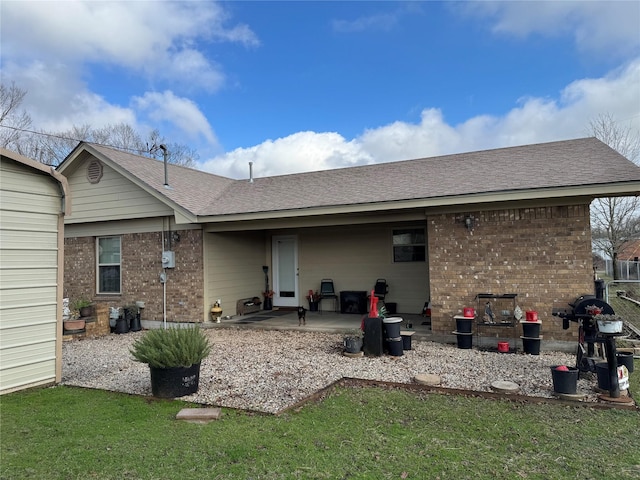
x,y
469,312
503,347
532,316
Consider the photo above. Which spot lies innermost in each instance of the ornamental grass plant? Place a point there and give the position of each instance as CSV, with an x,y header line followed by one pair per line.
x,y
171,347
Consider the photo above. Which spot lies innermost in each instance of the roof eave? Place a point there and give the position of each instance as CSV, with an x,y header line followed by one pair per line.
x,y
580,191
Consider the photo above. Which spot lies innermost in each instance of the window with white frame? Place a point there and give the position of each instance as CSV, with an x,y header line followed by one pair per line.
x,y
109,278
408,245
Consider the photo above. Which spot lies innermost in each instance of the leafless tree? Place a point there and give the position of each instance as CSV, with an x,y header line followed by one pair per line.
x,y
615,220
14,121
52,148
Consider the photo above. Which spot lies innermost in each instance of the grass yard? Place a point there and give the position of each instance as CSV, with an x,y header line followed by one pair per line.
x,y
353,433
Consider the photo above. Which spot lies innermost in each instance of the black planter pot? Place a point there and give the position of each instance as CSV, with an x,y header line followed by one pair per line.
x,y
122,325
352,344
268,304
530,329
564,381
626,359
464,325
175,382
531,345
313,306
136,325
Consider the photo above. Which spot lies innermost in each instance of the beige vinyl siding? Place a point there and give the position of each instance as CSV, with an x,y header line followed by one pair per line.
x,y
233,268
30,205
113,198
355,257
139,225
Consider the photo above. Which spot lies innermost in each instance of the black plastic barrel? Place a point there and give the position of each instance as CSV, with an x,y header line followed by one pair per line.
x,y
565,381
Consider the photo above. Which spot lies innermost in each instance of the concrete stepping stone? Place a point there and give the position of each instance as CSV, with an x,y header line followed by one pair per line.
x,y
427,379
198,415
503,386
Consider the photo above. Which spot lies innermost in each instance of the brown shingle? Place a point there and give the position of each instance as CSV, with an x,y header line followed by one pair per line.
x,y
579,162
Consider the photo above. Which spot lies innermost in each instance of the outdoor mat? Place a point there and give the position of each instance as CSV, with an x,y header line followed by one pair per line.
x,y
265,316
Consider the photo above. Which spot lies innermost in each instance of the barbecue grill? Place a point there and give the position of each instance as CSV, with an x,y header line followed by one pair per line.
x,y
583,310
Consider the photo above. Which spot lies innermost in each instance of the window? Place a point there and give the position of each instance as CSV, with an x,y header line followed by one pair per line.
x,y
108,264
408,245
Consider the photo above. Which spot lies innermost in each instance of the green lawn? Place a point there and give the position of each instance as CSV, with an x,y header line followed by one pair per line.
x,y
353,433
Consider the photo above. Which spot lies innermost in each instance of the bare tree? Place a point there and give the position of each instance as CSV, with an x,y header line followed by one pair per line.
x,y
615,220
52,148
13,120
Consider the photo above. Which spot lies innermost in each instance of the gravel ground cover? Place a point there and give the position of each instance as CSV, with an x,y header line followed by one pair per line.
x,y
270,370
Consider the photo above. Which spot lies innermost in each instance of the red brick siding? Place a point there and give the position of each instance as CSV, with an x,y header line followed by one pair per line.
x,y
141,268
542,254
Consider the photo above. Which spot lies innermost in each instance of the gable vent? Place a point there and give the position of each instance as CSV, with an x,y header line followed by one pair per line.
x,y
94,171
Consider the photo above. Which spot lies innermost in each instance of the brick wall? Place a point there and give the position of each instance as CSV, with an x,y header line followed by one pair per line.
x,y
542,254
141,268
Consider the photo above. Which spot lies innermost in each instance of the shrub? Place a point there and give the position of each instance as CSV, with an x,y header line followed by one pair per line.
x,y
173,347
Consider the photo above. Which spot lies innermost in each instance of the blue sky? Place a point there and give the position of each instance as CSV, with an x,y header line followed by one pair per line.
x,y
299,86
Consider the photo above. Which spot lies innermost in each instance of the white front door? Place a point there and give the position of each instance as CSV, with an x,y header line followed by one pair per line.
x,y
285,270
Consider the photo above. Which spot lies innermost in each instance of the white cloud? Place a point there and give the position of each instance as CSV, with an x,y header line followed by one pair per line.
x,y
604,27
150,37
56,99
533,120
300,152
382,21
166,107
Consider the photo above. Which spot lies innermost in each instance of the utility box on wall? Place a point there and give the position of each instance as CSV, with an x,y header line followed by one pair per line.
x,y
169,259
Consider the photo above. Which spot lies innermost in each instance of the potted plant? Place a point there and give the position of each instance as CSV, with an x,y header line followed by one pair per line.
x,y
608,323
83,306
313,298
174,356
353,341
268,299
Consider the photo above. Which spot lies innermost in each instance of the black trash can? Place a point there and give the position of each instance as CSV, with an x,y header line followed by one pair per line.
x,y
599,288
372,336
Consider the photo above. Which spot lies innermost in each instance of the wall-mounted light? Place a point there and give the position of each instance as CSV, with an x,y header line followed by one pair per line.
x,y
175,237
469,222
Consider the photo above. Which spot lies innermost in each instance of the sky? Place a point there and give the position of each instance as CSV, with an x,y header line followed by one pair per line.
x,y
301,86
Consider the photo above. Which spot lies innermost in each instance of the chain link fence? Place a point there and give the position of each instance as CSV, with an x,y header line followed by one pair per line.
x,y
627,270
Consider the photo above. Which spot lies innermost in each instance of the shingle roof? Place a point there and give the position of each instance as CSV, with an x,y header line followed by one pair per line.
x,y
580,162
189,188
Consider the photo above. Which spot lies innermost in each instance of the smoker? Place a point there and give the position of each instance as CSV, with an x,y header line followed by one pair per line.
x,y
583,310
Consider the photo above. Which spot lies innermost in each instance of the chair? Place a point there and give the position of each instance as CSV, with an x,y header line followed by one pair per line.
x,y
328,291
380,289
